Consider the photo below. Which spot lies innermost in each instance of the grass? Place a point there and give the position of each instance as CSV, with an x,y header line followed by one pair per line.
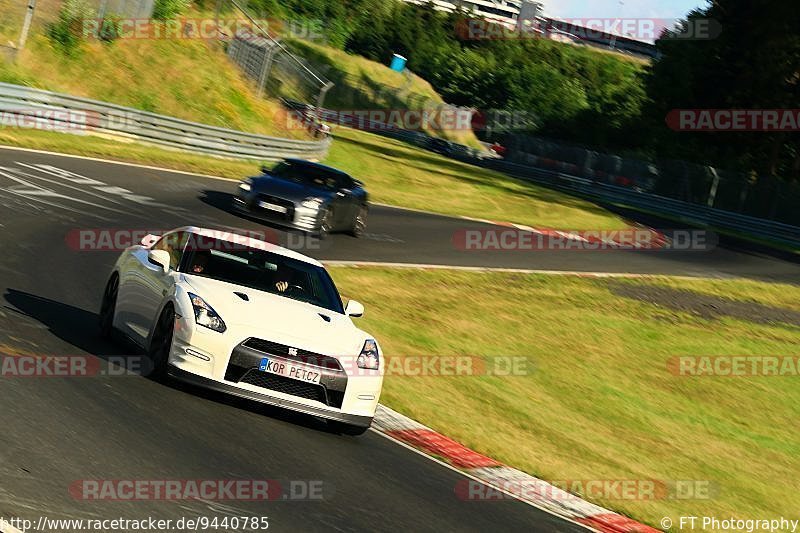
x,y
598,403
188,79
400,174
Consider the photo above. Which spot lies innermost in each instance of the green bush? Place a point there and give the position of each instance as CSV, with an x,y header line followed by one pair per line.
x,y
167,9
67,32
110,29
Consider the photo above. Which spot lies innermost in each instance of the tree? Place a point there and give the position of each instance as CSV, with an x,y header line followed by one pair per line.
x,y
753,64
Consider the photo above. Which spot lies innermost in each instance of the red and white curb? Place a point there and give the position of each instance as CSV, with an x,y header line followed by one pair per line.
x,y
504,479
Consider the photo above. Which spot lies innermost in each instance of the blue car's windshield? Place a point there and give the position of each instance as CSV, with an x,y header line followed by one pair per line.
x,y
307,175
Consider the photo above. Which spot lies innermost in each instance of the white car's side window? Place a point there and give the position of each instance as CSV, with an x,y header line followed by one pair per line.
x,y
172,243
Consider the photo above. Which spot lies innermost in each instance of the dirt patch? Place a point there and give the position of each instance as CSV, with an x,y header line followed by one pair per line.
x,y
704,305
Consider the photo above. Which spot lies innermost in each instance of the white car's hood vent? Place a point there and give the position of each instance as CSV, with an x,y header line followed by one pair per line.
x,y
274,317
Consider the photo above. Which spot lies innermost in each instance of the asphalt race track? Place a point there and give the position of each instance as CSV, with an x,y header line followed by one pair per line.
x,y
56,431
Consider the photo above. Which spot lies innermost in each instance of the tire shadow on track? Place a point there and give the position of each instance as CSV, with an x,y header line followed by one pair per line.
x,y
75,326
80,329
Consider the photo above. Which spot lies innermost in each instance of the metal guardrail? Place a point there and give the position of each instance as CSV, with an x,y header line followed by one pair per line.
x,y
693,214
73,114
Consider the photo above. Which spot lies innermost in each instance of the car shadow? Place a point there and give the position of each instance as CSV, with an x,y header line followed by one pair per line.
x,y
79,328
73,325
224,202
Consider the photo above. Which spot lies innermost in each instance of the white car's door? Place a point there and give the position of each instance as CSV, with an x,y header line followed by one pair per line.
x,y
143,287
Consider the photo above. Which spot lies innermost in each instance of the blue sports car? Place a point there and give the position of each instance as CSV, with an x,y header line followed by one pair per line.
x,y
306,196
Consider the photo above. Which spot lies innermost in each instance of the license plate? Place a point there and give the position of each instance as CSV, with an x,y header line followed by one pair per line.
x,y
289,370
273,207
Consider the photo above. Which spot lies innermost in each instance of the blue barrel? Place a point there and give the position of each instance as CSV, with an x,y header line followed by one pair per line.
x,y
398,63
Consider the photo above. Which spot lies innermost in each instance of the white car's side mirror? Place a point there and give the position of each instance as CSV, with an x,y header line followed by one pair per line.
x,y
160,258
149,240
354,309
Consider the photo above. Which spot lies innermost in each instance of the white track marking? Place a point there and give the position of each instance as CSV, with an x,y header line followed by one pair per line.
x,y
36,191
100,186
84,191
58,206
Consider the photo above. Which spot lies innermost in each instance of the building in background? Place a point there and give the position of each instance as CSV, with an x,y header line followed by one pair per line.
x,y
505,12
528,17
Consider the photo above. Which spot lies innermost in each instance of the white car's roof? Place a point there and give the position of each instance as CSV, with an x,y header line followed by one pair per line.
x,y
245,240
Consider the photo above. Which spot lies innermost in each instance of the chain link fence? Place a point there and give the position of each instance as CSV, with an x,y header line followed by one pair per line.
x,y
278,71
765,197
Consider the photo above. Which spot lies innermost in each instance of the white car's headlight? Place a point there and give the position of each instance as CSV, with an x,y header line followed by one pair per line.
x,y
312,202
369,358
246,185
205,315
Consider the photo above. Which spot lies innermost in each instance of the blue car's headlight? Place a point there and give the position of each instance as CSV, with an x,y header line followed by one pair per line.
x,y
246,185
204,315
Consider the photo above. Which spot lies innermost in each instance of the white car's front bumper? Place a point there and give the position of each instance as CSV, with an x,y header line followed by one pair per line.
x,y
221,362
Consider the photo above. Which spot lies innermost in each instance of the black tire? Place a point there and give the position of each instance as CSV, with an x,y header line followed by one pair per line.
x,y
161,344
346,429
326,223
108,307
360,222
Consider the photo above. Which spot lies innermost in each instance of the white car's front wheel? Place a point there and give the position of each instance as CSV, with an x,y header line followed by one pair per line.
x,y
161,343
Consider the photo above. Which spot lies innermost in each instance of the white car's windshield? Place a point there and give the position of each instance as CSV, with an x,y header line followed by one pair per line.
x,y
263,271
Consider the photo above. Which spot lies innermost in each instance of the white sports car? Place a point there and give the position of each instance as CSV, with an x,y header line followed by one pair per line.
x,y
248,318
